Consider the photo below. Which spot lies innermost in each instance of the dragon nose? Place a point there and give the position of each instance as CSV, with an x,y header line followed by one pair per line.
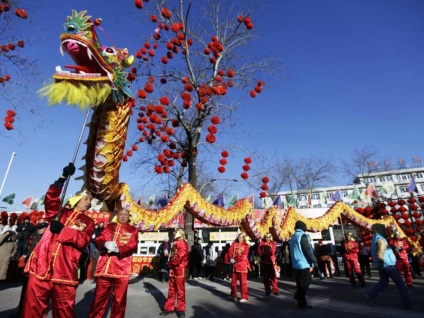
x,y
72,47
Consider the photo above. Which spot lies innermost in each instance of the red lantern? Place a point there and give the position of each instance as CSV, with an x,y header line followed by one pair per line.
x,y
265,179
223,161
225,154
412,200
396,216
360,210
419,222
401,202
410,231
221,169
421,198
393,210
402,209
413,207
405,216
416,214
262,194
244,175
248,160
391,203
384,212
264,187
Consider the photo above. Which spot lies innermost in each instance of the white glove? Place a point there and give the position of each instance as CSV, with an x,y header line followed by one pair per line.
x,y
111,246
232,261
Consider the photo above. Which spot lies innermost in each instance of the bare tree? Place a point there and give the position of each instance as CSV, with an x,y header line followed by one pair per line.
x,y
363,163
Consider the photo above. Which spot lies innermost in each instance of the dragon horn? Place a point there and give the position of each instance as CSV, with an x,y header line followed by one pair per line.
x,y
128,61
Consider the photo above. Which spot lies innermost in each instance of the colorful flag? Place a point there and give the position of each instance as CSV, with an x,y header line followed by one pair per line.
x,y
233,200
139,200
387,189
9,198
34,205
266,202
292,200
412,187
354,195
220,200
323,197
309,199
151,201
336,196
277,201
371,191
251,199
27,202
208,199
41,200
162,201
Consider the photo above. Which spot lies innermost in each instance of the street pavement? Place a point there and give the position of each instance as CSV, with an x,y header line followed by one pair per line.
x,y
205,299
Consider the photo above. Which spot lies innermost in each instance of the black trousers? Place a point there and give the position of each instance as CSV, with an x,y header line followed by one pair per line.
x,y
303,279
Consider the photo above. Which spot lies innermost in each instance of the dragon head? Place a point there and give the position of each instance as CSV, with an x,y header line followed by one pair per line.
x,y
98,71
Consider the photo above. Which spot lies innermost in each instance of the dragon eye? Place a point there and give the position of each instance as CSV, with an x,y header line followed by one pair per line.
x,y
110,50
70,28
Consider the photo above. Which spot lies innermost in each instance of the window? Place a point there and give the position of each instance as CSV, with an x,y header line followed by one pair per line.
x,y
315,196
386,178
403,189
370,180
343,193
302,197
404,177
317,206
422,186
420,175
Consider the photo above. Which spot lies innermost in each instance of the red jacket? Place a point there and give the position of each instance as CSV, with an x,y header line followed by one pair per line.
x,y
116,264
400,248
178,261
350,250
56,256
266,251
238,252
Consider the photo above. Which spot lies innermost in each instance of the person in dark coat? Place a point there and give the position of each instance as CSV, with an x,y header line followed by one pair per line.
x,y
25,231
196,259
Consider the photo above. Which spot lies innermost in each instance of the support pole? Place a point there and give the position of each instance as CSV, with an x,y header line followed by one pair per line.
x,y
7,171
65,187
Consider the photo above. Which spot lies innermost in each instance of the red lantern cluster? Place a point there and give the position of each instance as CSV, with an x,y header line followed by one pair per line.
x,y
223,161
246,167
9,119
257,89
264,187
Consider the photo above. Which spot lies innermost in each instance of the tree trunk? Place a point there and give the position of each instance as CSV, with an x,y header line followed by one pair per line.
x,y
192,179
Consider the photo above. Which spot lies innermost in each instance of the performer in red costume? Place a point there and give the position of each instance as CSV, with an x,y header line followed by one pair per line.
x,y
177,265
53,264
266,251
400,248
238,252
350,255
117,242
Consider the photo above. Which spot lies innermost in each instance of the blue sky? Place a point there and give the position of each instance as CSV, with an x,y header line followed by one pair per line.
x,y
353,77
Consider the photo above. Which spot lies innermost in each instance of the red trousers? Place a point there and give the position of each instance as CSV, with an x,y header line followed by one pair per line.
x,y
37,297
402,265
242,277
269,278
104,286
352,265
176,290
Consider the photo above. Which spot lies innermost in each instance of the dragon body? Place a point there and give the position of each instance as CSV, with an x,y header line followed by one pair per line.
x,y
98,80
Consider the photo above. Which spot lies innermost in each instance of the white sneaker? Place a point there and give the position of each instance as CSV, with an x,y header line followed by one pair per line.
x,y
243,300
